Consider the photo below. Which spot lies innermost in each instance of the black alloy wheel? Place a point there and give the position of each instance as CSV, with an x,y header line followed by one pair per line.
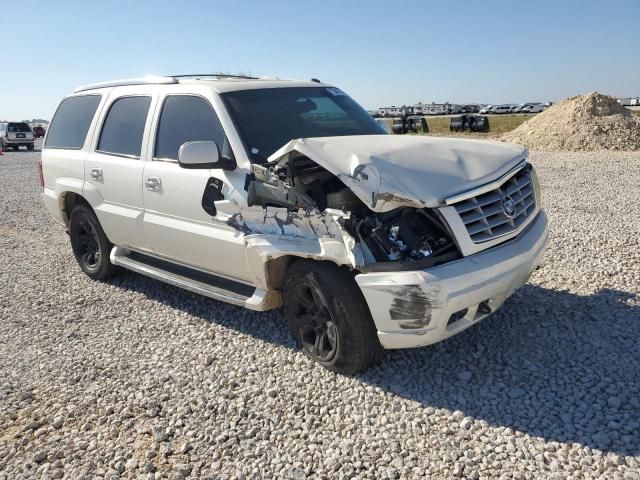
x,y
87,244
329,318
90,245
309,314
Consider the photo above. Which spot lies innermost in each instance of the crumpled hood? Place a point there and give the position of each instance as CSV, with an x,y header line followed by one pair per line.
x,y
389,171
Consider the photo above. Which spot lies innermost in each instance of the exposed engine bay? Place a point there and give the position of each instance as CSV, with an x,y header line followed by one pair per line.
x,y
405,234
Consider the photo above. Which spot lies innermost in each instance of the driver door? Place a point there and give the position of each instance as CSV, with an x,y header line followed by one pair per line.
x,y
176,225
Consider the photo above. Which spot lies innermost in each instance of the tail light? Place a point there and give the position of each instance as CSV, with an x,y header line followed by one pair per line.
x,y
41,175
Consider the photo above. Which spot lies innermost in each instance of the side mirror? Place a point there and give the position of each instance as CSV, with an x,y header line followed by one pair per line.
x,y
203,154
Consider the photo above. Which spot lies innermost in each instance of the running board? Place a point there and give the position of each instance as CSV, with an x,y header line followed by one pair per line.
x,y
196,281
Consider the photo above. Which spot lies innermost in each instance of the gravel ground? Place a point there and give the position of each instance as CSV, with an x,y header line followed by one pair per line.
x,y
136,379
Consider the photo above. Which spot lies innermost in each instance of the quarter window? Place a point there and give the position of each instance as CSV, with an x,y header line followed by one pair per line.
x,y
124,126
71,122
187,118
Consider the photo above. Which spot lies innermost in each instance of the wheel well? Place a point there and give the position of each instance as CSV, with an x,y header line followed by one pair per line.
x,y
276,270
278,267
71,200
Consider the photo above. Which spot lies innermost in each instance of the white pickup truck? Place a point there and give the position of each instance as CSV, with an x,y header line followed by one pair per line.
x,y
267,193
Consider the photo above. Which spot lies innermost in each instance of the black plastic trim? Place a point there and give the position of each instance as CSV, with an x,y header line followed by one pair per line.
x,y
193,274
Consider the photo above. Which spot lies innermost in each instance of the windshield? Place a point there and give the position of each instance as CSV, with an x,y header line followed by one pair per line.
x,y
18,127
267,119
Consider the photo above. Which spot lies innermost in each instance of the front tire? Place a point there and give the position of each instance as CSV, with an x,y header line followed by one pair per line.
x,y
90,245
329,318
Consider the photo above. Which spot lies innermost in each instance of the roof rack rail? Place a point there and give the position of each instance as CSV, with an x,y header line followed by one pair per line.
x,y
148,80
214,75
158,80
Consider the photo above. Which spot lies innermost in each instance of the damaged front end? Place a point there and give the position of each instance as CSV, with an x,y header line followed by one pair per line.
x,y
304,199
377,206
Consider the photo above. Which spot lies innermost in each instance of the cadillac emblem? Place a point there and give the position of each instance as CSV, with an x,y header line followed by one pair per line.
x,y
508,207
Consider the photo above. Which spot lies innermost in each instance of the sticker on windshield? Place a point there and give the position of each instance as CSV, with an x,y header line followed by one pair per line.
x,y
336,92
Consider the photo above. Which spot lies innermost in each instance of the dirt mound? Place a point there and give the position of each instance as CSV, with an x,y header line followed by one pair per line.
x,y
581,123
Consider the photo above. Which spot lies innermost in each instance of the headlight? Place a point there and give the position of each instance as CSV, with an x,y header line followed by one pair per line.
x,y
536,186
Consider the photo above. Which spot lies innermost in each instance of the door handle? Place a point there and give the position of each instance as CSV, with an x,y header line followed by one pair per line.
x,y
96,174
152,183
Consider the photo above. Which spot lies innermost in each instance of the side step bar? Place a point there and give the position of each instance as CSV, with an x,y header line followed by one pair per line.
x,y
196,281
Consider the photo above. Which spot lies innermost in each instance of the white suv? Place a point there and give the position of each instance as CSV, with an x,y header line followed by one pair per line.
x,y
15,134
268,193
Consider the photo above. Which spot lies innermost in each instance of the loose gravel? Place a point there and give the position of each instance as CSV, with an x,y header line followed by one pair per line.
x,y
136,379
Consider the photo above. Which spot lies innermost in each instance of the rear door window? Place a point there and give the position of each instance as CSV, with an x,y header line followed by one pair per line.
x,y
188,118
123,126
71,122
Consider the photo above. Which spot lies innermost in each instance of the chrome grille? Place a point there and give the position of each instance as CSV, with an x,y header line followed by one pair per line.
x,y
486,215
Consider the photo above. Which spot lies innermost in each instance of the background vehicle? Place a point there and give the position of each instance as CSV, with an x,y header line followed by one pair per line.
x,y
267,193
499,109
471,108
38,132
531,108
486,109
15,134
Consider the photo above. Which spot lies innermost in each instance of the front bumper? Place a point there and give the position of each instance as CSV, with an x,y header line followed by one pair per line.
x,y
471,288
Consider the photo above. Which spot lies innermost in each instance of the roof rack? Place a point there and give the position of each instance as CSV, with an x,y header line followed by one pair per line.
x,y
214,75
148,80
159,80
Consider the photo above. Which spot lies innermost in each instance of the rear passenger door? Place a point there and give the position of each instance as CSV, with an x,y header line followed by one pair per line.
x,y
175,222
113,168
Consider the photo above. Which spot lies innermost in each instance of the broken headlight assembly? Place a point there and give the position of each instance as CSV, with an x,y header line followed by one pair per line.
x,y
406,235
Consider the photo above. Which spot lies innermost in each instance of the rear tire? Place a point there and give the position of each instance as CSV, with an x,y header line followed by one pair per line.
x,y
30,147
90,245
329,318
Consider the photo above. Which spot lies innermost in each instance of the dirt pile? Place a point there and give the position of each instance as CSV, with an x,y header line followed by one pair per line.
x,y
581,123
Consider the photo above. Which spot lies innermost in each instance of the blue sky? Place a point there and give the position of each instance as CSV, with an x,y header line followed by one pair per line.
x,y
380,52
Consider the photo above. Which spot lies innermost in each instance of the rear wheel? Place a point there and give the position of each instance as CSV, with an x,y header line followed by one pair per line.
x,y
329,318
30,146
90,245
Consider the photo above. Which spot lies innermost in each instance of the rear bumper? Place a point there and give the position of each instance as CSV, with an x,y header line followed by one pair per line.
x,y
18,141
413,309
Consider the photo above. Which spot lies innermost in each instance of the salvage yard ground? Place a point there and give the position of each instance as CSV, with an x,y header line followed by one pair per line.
x,y
137,379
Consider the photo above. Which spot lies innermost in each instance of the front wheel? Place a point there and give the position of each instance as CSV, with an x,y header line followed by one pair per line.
x,y
329,318
90,245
